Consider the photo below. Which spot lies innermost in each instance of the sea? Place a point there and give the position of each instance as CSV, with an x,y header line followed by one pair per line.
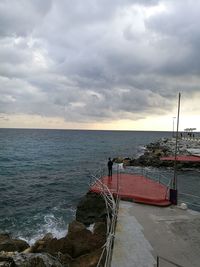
x,y
45,173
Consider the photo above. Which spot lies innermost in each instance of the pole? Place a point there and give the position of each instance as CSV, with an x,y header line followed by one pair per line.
x,y
173,192
117,179
173,126
158,262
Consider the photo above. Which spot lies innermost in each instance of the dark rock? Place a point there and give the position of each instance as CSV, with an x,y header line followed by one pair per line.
x,y
9,244
16,259
91,209
75,243
65,259
83,241
36,260
89,260
4,237
47,237
75,227
6,261
100,228
41,244
79,241
54,246
38,247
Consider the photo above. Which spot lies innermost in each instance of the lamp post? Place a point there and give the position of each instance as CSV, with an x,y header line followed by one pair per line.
x,y
173,126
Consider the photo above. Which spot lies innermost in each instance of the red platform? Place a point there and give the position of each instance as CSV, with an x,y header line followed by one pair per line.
x,y
184,158
136,188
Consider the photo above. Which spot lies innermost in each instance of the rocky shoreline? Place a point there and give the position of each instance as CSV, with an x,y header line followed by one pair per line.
x,y
83,245
162,148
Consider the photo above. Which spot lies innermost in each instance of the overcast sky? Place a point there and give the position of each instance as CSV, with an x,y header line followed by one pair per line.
x,y
99,64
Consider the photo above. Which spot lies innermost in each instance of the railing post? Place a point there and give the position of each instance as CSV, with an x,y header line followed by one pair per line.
x,y
158,261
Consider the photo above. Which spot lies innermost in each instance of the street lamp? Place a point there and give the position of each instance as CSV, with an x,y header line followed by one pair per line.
x,y
173,126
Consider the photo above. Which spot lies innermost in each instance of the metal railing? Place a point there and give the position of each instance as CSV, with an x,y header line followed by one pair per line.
x,y
155,176
112,206
189,199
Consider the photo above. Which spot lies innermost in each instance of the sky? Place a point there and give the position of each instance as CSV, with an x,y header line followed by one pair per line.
x,y
99,64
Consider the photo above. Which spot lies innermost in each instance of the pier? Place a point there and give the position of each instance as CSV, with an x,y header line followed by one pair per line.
x,y
149,236
155,235
134,187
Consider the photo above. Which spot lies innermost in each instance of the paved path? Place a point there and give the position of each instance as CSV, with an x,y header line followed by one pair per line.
x,y
143,232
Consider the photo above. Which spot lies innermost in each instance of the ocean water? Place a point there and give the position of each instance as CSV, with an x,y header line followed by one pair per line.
x,y
44,173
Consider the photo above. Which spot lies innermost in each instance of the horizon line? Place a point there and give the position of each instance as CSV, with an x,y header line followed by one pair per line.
x,y
71,129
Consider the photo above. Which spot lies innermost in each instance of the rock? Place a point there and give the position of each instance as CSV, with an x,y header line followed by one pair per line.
x,y
28,250
79,241
36,260
56,246
100,228
6,261
65,259
75,227
89,260
40,245
16,259
53,246
47,237
83,240
9,244
91,209
4,237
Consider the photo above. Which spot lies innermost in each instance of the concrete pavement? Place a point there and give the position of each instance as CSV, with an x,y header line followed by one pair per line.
x,y
143,232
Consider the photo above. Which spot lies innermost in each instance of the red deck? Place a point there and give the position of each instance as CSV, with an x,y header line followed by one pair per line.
x,y
136,188
184,158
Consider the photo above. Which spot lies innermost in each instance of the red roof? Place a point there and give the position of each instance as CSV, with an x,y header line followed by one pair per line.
x,y
184,158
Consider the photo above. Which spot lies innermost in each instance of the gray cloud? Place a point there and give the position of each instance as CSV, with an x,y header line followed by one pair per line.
x,y
97,60
179,37
19,18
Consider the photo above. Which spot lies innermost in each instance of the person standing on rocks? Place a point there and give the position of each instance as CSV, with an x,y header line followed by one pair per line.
x,y
110,164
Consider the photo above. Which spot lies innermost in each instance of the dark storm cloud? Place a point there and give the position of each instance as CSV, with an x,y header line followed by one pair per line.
x,y
93,60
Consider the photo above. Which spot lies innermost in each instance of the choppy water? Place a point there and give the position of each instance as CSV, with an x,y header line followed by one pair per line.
x,y
44,173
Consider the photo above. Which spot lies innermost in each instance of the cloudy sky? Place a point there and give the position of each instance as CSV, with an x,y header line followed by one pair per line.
x,y
99,64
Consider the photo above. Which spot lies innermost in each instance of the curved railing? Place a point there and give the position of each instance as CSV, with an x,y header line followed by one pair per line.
x,y
112,206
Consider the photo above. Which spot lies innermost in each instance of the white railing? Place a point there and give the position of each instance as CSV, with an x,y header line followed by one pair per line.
x,y
112,206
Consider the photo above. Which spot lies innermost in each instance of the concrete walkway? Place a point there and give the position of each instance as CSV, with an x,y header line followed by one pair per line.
x,y
143,232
